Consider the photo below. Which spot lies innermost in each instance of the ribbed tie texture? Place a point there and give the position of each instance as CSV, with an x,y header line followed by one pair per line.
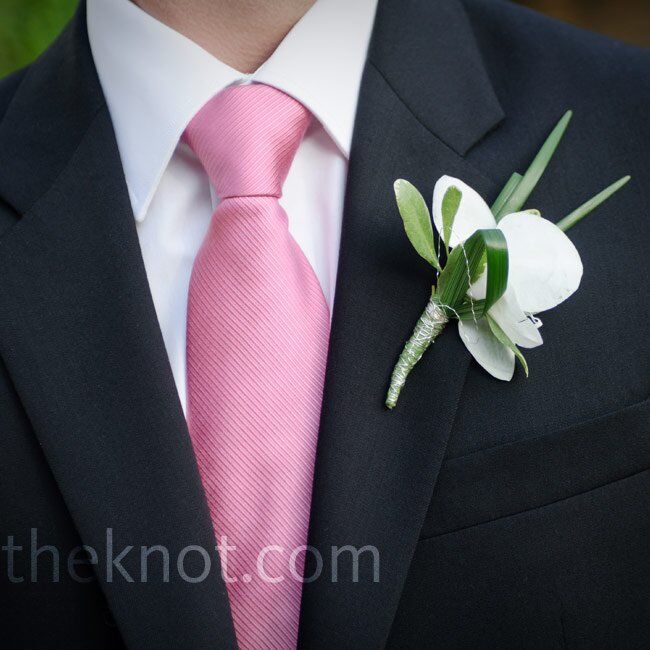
x,y
257,337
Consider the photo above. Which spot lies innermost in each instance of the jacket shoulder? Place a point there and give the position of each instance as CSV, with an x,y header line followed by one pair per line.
x,y
523,43
540,67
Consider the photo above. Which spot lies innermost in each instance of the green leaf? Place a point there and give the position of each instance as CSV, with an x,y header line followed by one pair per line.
x,y
417,221
526,185
503,338
450,203
462,265
580,213
505,194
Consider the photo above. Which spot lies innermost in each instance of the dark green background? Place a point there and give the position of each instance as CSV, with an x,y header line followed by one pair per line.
x,y
27,26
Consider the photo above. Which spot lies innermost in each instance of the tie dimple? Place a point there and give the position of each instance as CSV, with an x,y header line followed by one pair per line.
x,y
246,138
257,337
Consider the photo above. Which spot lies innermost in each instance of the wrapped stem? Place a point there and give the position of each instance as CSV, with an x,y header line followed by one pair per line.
x,y
429,325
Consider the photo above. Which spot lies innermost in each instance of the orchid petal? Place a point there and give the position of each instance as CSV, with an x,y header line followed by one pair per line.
x,y
488,351
545,267
510,317
473,212
516,325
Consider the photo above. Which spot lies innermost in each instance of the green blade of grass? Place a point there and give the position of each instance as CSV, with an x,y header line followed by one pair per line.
x,y
530,179
580,213
505,194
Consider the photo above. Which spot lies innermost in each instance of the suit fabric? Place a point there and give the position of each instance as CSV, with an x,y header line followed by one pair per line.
x,y
505,514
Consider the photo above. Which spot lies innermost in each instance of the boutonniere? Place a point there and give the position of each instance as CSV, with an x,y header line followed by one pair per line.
x,y
503,265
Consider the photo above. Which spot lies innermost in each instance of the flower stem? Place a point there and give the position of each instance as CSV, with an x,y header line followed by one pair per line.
x,y
429,325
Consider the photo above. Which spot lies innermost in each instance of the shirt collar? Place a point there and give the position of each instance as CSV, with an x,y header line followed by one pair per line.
x,y
155,79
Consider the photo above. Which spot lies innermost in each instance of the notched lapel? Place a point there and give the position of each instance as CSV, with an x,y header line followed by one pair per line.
x,y
80,339
376,470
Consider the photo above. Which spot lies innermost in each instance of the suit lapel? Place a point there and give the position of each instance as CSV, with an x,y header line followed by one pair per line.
x,y
79,335
376,470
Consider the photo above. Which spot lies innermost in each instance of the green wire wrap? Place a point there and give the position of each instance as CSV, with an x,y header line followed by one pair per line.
x,y
429,325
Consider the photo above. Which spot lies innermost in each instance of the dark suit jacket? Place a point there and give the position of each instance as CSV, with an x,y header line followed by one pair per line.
x,y
505,514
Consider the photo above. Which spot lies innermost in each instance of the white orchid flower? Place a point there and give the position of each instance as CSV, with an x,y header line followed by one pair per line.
x,y
544,270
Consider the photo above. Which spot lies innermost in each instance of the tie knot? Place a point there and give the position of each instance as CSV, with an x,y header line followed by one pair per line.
x,y
246,138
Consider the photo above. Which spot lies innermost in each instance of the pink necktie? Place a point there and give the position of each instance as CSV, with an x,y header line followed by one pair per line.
x,y
257,337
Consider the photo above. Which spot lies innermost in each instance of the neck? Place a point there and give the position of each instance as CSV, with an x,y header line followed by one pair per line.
x,y
241,33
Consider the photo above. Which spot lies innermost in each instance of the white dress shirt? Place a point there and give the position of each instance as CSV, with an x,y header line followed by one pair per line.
x,y
155,80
